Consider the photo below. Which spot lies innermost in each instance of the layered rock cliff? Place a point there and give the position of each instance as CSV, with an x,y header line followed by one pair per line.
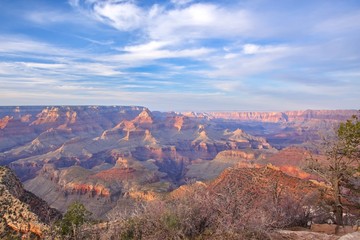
x,y
21,211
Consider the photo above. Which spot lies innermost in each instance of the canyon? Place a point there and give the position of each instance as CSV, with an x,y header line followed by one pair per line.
x,y
111,156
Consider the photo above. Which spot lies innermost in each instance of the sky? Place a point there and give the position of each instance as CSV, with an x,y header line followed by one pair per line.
x,y
181,55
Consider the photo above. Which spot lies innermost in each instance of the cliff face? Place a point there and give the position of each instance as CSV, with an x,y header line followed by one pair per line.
x,y
21,211
100,188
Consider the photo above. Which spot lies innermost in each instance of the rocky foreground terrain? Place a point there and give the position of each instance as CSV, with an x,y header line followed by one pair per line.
x,y
106,157
21,211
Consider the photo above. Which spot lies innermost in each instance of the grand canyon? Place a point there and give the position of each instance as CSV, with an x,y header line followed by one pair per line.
x,y
111,157
180,120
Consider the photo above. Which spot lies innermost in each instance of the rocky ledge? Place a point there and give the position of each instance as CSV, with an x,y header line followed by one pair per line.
x,y
21,211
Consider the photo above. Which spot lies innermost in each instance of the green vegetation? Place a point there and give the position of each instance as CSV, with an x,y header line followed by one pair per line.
x,y
342,154
75,217
349,136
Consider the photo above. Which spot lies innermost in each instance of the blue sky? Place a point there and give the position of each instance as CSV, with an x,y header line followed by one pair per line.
x,y
181,55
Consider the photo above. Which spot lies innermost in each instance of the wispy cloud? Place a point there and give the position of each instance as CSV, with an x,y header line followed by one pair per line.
x,y
49,17
181,2
342,23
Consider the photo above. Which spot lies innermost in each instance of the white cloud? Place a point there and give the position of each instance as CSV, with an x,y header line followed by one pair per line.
x,y
16,44
161,22
123,16
199,21
52,61
137,56
96,69
46,61
250,49
150,46
43,65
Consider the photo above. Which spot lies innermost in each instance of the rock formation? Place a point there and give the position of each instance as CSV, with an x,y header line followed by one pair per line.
x,y
21,211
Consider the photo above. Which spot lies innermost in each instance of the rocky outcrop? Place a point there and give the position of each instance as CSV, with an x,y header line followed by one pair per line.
x,y
236,154
21,211
144,119
4,121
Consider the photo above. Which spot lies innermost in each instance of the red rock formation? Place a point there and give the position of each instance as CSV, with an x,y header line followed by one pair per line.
x,y
144,119
4,121
86,188
149,139
48,115
179,122
291,160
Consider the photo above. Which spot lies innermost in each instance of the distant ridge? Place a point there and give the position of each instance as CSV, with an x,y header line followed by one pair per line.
x,y
287,116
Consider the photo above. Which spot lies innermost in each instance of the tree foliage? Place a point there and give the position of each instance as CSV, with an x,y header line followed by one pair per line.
x,y
342,156
349,135
76,216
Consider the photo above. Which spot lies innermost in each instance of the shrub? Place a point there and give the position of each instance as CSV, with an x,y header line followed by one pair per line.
x,y
76,216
